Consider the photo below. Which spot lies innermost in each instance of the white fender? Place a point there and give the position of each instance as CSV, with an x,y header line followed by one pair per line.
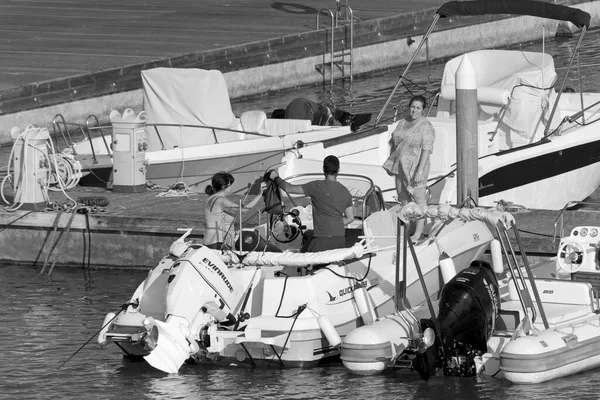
x,y
447,267
102,341
329,331
497,264
363,302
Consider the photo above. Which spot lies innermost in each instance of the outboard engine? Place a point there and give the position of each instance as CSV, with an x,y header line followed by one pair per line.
x,y
202,280
469,305
200,287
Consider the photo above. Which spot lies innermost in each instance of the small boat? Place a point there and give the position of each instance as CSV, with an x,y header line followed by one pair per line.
x,y
263,307
191,132
403,337
525,329
531,137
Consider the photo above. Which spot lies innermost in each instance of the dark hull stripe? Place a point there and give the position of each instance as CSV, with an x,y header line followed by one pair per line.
x,y
539,168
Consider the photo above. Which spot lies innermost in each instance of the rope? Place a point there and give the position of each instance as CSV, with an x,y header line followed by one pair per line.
x,y
179,189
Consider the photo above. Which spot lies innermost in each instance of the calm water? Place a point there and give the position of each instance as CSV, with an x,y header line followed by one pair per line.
x,y
44,320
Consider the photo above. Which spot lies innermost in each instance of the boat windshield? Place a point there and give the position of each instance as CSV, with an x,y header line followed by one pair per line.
x,y
366,197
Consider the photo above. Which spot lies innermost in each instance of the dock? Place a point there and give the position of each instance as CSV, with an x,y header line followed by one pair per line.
x,y
70,56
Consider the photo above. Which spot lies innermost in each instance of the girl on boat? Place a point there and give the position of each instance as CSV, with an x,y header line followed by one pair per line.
x,y
412,143
219,230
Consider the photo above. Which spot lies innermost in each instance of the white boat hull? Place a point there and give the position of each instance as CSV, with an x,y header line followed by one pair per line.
x,y
283,325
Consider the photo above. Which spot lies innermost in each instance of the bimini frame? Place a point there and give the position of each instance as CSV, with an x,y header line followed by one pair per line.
x,y
579,18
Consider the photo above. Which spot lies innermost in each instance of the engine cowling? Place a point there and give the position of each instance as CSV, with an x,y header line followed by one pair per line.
x,y
469,305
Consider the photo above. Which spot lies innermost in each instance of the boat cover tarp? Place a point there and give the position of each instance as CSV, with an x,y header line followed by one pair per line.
x,y
186,96
523,81
518,7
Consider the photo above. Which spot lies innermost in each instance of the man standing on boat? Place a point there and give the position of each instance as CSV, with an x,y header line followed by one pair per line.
x,y
332,207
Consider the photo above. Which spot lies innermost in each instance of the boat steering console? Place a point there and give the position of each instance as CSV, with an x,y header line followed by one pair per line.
x,y
579,251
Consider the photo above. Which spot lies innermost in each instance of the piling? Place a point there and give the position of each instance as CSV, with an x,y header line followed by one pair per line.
x,y
466,132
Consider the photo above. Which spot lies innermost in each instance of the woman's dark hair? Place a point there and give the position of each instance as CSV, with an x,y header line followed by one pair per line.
x,y
219,181
420,98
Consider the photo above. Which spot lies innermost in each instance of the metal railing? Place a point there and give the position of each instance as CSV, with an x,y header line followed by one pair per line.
x,y
335,23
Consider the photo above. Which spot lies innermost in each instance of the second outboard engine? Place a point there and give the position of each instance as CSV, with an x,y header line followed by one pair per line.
x,y
469,305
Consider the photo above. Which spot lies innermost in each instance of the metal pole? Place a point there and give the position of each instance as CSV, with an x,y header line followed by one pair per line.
x,y
467,149
421,277
412,59
530,275
241,205
562,86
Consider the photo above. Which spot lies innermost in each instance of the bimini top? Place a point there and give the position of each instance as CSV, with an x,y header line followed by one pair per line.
x,y
518,7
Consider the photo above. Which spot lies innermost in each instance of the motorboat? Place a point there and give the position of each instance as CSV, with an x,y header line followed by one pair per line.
x,y
191,133
535,330
532,135
276,306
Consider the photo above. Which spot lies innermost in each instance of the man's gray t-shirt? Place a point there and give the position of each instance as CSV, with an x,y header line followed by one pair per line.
x,y
329,200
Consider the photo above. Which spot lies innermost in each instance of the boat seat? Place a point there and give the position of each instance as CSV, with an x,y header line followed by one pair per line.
x,y
558,291
254,121
382,226
282,127
562,300
556,314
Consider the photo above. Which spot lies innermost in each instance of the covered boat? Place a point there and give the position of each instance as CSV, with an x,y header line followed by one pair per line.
x,y
532,136
192,133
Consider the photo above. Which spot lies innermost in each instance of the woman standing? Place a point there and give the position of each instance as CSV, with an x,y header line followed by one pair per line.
x,y
412,143
219,228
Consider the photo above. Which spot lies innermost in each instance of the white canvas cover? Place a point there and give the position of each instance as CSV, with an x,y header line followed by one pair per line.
x,y
186,96
522,81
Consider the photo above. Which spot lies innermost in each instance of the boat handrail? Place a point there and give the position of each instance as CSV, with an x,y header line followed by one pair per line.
x,y
572,118
92,119
562,213
315,176
516,273
214,130
61,126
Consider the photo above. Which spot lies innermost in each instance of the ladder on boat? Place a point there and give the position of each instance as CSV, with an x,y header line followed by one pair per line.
x,y
342,59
